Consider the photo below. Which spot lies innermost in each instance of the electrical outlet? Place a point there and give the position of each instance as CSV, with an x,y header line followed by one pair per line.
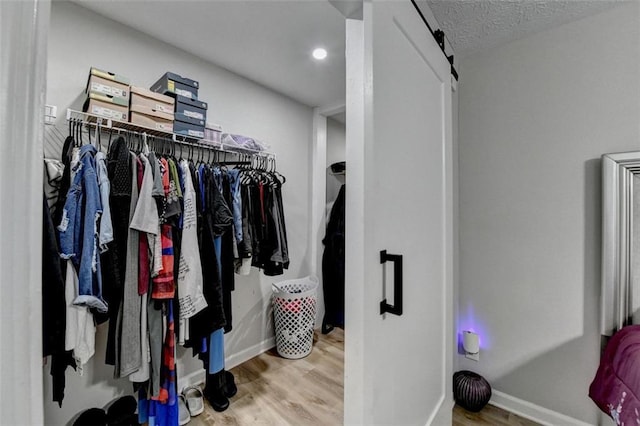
x,y
475,357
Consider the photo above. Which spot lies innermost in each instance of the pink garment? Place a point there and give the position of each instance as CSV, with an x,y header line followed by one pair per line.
x,y
143,244
616,387
164,285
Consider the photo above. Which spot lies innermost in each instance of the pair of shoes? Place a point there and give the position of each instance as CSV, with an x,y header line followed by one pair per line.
x,y
214,391
194,400
183,411
230,388
120,412
190,404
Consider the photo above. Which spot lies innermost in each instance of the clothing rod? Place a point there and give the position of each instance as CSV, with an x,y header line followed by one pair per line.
x,y
111,125
439,36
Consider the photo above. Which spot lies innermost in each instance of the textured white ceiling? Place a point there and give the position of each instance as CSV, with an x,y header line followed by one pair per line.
x,y
474,25
269,41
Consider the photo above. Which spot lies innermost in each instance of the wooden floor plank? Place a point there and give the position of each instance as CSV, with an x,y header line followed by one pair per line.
x,y
490,415
274,391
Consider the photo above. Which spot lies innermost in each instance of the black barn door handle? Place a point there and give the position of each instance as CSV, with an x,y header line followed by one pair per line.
x,y
396,308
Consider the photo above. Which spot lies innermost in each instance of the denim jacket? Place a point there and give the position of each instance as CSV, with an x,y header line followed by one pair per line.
x,y
79,230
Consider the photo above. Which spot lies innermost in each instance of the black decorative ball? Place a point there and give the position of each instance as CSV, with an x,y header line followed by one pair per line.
x,y
470,390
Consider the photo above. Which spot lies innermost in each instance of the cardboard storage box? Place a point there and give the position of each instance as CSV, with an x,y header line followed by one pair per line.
x,y
151,118
115,100
196,122
188,129
212,133
108,84
155,101
192,108
176,84
96,106
109,76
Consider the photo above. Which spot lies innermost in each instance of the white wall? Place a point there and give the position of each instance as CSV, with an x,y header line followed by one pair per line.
x,y
80,39
535,117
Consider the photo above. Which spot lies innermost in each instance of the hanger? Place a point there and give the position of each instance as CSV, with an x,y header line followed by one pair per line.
x,y
278,175
109,143
75,132
145,145
96,138
79,129
88,134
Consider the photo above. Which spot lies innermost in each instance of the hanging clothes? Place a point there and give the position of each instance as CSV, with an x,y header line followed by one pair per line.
x,y
53,308
191,296
214,219
163,282
128,344
115,259
262,196
105,233
79,233
145,220
150,245
333,266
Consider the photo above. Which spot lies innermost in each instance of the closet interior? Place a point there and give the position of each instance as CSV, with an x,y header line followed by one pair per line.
x,y
213,220
333,256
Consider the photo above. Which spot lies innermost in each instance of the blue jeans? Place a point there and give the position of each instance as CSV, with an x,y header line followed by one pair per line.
x,y
79,232
236,199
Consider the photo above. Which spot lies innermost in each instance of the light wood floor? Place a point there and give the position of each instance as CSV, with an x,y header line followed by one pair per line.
x,y
490,415
276,391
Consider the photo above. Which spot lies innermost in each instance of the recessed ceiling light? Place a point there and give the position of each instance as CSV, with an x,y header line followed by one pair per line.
x,y
319,53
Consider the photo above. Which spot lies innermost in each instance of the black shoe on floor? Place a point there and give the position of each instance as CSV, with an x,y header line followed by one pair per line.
x,y
230,388
214,391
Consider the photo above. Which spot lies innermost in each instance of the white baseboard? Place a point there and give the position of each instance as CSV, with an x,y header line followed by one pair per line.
x,y
199,377
443,416
251,352
532,411
196,378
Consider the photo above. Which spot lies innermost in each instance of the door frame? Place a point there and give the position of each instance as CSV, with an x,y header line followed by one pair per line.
x,y
319,191
24,34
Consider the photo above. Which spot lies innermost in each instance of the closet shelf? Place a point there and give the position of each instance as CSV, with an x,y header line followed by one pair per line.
x,y
93,120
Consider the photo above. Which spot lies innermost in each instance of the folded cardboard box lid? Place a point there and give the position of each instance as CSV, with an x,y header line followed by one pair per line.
x,y
178,116
190,102
214,127
100,108
109,76
172,83
180,79
188,129
115,100
103,86
154,100
144,117
192,108
151,112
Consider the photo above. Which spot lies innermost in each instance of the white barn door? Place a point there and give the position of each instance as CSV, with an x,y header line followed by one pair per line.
x,y
398,368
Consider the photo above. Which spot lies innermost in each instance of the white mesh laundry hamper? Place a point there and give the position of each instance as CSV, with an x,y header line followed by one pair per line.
x,y
294,316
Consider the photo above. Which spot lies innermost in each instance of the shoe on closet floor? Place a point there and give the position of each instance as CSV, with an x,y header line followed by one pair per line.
x,y
183,412
194,399
230,388
214,391
123,411
92,417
